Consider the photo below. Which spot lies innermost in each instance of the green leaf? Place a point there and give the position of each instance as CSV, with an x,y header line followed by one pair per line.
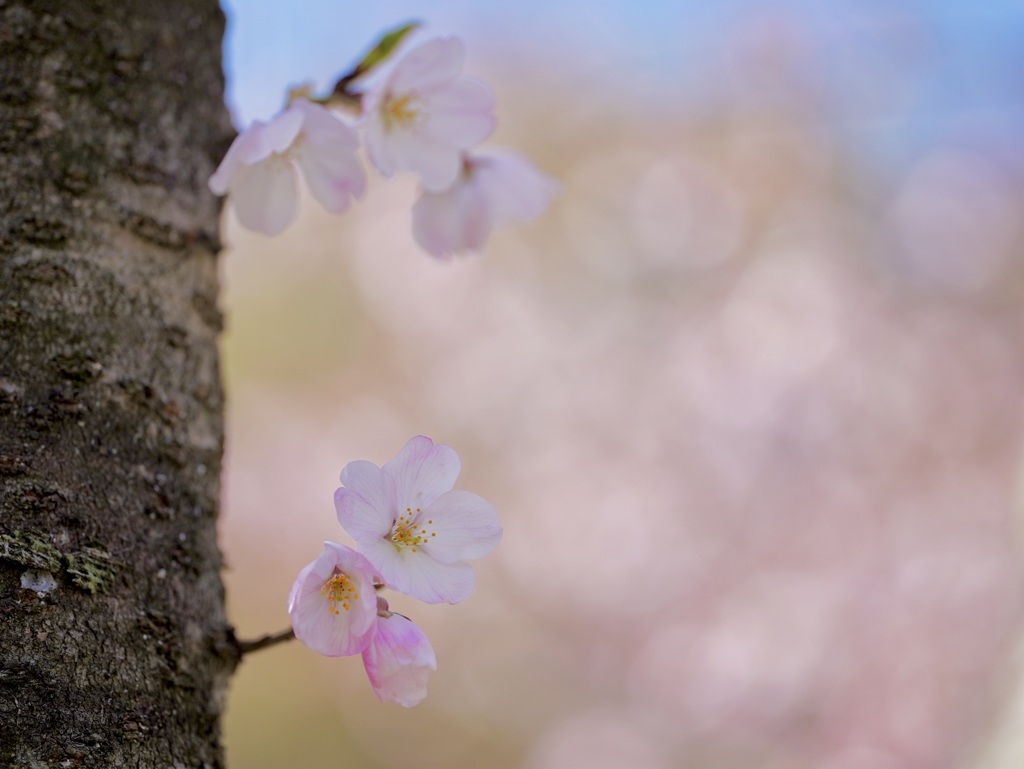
x,y
383,49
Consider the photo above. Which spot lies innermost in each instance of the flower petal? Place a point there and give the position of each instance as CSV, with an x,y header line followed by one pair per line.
x,y
334,634
378,146
437,224
428,66
221,179
326,129
461,114
438,164
334,178
325,151
365,505
265,195
451,222
438,168
398,661
515,190
280,133
466,526
416,573
388,561
425,579
422,472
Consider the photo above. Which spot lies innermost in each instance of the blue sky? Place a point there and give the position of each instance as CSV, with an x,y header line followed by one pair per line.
x,y
961,61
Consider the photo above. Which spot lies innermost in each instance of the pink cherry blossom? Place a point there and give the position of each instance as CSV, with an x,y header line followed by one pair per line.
x,y
398,660
259,169
409,523
494,188
333,604
426,114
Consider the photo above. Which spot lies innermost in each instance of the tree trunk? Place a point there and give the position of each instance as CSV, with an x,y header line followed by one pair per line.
x,y
114,647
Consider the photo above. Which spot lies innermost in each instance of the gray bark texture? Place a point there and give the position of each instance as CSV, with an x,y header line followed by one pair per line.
x,y
114,646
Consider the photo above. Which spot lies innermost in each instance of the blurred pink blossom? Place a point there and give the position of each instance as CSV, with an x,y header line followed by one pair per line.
x,y
426,114
333,605
494,188
260,166
411,525
398,659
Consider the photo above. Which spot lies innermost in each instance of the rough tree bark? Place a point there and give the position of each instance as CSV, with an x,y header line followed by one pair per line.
x,y
114,647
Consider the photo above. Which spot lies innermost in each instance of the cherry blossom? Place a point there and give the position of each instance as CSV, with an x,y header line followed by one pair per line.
x,y
426,114
398,659
259,169
409,523
495,187
333,604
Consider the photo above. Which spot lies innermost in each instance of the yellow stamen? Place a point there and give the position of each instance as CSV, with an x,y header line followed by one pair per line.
x,y
407,532
400,111
339,589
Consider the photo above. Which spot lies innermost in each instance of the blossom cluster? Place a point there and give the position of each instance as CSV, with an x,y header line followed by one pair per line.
x,y
426,117
414,533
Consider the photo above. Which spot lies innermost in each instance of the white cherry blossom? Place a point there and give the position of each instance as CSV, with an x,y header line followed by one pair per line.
x,y
426,114
495,187
399,659
332,605
412,526
259,169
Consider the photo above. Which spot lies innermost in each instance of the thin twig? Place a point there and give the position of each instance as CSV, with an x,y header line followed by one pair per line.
x,y
244,647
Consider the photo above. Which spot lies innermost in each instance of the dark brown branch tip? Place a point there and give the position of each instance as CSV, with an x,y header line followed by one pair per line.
x,y
245,647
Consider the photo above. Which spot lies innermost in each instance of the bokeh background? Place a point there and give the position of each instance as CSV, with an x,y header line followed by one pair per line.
x,y
748,398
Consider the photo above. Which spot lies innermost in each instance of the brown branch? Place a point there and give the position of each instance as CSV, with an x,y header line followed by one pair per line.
x,y
244,647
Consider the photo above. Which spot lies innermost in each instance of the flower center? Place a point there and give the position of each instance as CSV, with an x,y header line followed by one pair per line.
x,y
399,111
340,590
409,532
